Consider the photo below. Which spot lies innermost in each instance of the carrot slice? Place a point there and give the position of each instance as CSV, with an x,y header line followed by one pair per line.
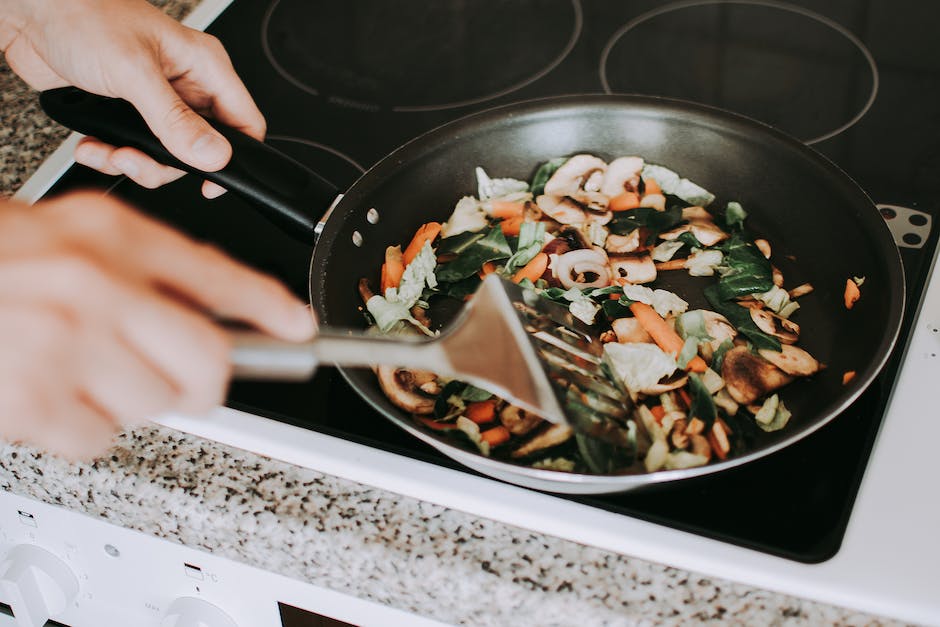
x,y
663,334
532,270
496,435
650,186
852,293
624,201
482,412
434,424
686,398
427,233
658,412
512,226
393,268
383,281
488,268
847,377
505,209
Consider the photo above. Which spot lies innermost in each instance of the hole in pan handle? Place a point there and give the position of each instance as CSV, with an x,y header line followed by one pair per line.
x,y
284,190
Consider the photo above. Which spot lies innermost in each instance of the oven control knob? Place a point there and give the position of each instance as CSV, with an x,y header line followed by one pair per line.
x,y
37,584
193,612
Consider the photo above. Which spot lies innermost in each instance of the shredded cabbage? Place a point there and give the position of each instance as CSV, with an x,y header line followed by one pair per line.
x,y
639,366
468,215
665,303
773,414
778,300
667,250
489,189
395,306
704,262
672,183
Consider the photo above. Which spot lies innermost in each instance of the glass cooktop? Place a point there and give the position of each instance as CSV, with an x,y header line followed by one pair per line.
x,y
342,84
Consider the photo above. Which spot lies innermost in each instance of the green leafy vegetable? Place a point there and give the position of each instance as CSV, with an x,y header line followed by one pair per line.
x,y
473,394
456,244
735,216
531,239
655,222
491,247
740,318
703,405
689,351
544,173
718,357
744,270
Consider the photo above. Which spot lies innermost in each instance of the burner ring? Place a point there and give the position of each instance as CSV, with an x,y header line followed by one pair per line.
x,y
299,83
783,6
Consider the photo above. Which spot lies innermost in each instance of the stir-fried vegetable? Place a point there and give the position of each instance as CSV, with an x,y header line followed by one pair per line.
x,y
594,236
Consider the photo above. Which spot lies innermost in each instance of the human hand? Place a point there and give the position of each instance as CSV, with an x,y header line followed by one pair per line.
x,y
131,50
106,320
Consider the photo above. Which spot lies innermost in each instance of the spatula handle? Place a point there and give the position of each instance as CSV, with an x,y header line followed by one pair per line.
x,y
289,193
258,356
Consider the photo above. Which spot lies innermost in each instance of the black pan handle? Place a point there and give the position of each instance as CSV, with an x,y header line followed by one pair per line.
x,y
287,192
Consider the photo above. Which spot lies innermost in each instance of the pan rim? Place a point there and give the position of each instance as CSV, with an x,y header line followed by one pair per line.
x,y
729,121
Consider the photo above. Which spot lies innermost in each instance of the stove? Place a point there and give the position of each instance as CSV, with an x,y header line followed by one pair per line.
x,y
343,84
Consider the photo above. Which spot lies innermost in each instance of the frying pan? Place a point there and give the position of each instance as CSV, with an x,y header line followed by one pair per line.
x,y
823,228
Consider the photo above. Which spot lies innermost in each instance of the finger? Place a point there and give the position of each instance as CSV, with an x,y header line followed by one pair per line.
x,y
184,346
212,190
96,155
198,273
120,382
142,169
214,76
184,132
81,431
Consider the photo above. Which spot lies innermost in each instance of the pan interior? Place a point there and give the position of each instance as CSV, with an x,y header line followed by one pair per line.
x,y
823,228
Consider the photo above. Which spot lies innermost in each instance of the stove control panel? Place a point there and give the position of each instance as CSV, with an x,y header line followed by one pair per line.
x,y
59,568
37,584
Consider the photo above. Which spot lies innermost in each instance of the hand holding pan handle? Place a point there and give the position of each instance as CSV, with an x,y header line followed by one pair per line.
x,y
285,191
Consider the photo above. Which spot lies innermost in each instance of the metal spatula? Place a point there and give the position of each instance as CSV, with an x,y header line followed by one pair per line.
x,y
507,340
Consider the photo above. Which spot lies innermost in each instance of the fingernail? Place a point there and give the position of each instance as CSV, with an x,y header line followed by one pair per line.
x,y
127,166
209,149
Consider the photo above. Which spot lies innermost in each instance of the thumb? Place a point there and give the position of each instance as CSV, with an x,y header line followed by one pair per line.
x,y
184,132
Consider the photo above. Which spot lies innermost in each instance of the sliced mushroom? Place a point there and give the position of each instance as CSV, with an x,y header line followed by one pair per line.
x,y
623,175
705,231
582,268
623,243
720,329
580,178
786,331
634,269
553,435
764,247
749,377
404,388
696,213
518,421
630,331
365,290
792,360
599,217
561,209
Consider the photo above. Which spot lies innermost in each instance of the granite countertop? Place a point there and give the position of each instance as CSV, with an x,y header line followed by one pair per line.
x,y
370,543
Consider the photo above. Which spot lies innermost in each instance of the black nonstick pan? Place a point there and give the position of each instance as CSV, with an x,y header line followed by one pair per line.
x,y
823,227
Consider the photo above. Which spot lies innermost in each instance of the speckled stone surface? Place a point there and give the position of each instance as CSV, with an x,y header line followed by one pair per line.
x,y
354,539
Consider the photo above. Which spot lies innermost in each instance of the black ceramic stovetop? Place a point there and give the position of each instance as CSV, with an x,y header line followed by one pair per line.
x,y
342,84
